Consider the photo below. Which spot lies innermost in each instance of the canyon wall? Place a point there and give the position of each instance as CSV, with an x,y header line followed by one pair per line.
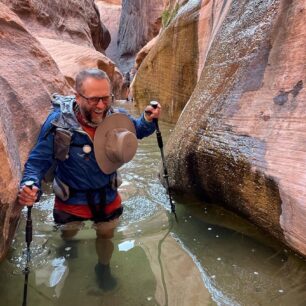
x,y
241,138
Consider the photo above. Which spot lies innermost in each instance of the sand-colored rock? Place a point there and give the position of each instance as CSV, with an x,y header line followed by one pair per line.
x,y
174,92
241,139
169,72
74,21
72,58
115,2
141,55
28,75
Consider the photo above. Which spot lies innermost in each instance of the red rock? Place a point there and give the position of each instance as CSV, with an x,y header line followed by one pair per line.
x,y
241,138
28,75
72,58
74,21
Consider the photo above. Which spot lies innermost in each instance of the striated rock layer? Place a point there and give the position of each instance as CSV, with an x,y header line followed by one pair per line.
x,y
141,55
241,139
169,71
28,75
110,13
140,21
74,21
67,29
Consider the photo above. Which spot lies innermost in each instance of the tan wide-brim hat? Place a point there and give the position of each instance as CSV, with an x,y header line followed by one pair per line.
x,y
115,142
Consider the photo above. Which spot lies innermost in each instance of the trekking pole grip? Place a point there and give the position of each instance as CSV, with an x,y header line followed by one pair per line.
x,y
29,228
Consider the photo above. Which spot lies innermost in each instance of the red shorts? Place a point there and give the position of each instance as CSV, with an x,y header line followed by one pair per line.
x,y
83,212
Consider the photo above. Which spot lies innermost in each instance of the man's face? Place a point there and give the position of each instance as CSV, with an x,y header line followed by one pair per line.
x,y
94,112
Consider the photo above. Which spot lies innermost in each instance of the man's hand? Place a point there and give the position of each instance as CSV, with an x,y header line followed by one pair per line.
x,y
152,112
27,196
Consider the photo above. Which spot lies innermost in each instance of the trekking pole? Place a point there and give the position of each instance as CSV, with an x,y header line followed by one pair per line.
x,y
154,104
28,238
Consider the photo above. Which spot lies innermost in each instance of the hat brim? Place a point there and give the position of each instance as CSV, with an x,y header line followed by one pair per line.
x,y
114,121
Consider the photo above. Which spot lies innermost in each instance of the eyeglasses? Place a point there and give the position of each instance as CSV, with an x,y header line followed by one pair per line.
x,y
96,100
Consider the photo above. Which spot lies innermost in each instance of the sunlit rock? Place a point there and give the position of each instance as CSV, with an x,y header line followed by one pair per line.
x,y
141,55
241,139
28,75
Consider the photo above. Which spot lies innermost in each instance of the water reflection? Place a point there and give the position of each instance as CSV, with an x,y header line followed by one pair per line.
x,y
53,274
246,265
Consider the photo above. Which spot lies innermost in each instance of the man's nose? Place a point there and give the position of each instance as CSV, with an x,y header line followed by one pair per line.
x,y
102,104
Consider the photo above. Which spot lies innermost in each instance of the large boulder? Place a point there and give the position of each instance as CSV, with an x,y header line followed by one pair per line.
x,y
74,21
28,76
241,138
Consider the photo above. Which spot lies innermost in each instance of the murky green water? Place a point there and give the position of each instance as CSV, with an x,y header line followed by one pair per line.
x,y
212,257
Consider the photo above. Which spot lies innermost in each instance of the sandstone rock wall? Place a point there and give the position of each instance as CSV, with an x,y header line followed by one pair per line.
x,y
141,55
67,27
241,138
115,2
74,21
203,19
169,71
28,75
110,13
140,21
72,58
70,31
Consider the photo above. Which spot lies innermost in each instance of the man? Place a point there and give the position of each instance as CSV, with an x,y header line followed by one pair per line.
x,y
127,82
83,191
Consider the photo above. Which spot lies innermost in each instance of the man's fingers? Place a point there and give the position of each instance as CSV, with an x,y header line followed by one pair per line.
x,y
30,191
27,195
25,201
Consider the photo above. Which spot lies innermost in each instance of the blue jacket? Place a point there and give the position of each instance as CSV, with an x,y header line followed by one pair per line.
x,y
78,171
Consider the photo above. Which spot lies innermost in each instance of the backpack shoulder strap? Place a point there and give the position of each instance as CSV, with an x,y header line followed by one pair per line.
x,y
64,103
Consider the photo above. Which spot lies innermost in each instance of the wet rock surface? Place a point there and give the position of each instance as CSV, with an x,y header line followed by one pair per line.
x,y
241,138
28,75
